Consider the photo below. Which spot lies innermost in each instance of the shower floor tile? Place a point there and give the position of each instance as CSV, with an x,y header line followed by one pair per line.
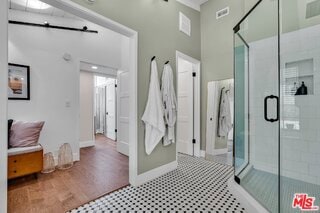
x,y
264,188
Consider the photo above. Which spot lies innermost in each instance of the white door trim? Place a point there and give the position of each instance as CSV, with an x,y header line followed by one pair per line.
x,y
103,21
196,65
3,103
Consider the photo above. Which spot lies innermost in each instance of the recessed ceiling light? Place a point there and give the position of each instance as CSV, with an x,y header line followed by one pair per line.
x,y
36,4
94,67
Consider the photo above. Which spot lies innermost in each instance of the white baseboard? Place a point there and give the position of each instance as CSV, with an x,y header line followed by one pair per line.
x,y
76,156
202,153
219,151
155,173
246,200
84,144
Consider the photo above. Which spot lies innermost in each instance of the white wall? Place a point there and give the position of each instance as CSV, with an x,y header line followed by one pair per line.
x,y
86,106
300,146
54,81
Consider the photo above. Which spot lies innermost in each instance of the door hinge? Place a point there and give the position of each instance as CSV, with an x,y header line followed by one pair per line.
x,y
193,141
194,74
116,85
116,130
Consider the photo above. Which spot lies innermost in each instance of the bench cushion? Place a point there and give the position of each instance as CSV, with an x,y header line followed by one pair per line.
x,y
23,134
24,150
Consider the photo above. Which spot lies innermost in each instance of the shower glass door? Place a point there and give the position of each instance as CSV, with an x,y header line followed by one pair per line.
x,y
257,104
300,104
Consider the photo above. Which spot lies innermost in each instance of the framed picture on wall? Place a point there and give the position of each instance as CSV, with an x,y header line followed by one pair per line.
x,y
18,82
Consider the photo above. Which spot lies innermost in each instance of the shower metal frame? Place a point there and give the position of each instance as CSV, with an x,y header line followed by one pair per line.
x,y
236,30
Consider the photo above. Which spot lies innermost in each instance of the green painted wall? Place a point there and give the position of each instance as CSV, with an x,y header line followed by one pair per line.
x,y
156,21
216,48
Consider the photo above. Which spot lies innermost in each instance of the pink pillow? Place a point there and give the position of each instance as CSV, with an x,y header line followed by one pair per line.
x,y
23,134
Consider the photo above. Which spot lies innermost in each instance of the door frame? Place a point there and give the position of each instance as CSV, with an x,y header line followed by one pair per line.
x,y
96,18
83,144
103,21
196,107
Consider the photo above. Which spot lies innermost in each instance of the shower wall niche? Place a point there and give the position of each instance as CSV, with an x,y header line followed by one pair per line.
x,y
296,73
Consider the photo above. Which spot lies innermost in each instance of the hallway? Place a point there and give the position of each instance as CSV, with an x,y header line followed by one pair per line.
x,y
101,170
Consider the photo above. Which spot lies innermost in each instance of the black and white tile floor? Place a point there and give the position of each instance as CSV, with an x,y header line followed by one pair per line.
x,y
196,185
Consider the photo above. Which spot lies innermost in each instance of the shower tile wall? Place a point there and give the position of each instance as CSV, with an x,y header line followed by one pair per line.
x,y
263,82
300,115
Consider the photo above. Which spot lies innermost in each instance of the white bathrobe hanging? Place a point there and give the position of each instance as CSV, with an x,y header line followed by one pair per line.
x,y
225,124
170,104
153,114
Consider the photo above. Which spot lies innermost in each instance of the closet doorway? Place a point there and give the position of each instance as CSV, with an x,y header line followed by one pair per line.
x,y
188,113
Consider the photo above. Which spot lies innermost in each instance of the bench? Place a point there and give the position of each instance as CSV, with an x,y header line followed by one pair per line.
x,y
24,161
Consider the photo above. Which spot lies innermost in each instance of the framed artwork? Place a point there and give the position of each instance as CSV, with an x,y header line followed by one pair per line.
x,y
18,82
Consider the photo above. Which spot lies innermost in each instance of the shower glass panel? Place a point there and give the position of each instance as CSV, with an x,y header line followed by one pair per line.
x,y
300,101
277,109
241,89
257,104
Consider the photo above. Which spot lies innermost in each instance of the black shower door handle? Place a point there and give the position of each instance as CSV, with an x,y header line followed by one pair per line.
x,y
266,108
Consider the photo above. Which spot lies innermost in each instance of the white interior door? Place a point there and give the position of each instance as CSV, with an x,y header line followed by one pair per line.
x,y
111,108
123,109
185,107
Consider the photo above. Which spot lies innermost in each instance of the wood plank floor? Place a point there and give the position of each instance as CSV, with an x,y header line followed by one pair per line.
x,y
101,170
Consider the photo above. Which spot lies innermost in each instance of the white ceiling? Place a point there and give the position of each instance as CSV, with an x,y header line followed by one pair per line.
x,y
36,6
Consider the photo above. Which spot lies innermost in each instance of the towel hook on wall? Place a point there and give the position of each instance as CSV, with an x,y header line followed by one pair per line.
x,y
167,62
153,58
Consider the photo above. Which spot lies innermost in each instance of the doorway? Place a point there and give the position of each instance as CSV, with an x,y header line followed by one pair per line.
x,y
219,120
188,113
105,106
98,104
70,102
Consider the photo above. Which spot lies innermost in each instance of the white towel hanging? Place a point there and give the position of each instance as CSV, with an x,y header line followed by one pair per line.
x,y
170,104
153,114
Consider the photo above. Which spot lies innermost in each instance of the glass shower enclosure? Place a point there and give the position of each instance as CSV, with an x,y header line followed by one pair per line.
x,y
277,103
